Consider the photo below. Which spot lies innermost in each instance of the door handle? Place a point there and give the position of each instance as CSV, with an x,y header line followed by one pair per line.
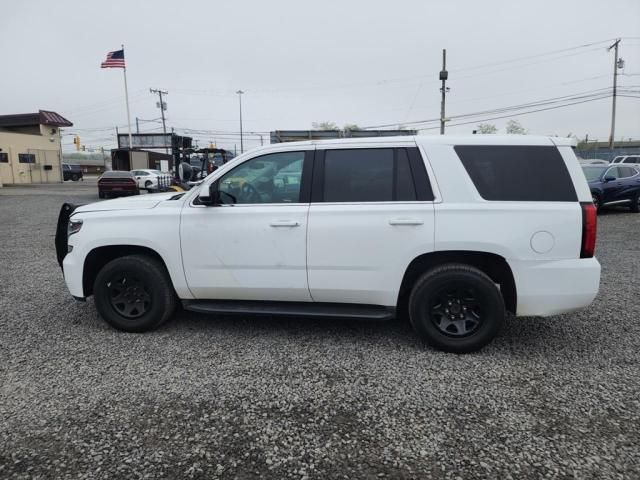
x,y
405,221
284,223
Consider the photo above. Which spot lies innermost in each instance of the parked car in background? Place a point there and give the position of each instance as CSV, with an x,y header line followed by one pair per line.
x,y
614,185
71,172
632,159
148,179
593,161
117,183
451,232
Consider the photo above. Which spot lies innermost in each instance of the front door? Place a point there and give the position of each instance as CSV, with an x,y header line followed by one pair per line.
x,y
253,246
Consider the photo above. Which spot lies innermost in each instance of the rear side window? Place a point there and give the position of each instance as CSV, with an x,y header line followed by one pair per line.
x,y
373,175
625,172
518,173
631,160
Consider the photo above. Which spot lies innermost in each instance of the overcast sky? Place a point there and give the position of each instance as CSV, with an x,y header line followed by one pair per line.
x,y
363,62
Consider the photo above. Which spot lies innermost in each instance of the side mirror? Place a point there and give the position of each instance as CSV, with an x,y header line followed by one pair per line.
x,y
209,196
609,178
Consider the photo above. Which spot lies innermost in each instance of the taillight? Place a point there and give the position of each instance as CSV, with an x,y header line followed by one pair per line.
x,y
589,227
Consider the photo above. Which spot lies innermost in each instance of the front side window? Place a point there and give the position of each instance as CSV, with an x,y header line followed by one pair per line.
x,y
272,178
26,158
632,160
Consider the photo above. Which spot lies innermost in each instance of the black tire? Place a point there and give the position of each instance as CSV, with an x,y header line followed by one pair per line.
x,y
74,177
101,195
134,293
596,201
147,184
456,290
635,204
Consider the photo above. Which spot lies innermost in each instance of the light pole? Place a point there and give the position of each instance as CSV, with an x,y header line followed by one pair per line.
x,y
240,92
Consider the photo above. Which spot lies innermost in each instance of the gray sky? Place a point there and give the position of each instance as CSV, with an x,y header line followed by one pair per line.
x,y
364,62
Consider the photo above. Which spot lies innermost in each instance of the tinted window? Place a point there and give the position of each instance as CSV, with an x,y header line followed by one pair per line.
x,y
518,173
273,178
117,174
405,189
368,175
626,172
358,175
632,160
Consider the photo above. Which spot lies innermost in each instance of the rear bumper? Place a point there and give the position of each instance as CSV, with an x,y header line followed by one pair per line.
x,y
554,287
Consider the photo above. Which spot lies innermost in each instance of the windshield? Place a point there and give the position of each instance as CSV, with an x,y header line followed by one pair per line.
x,y
593,173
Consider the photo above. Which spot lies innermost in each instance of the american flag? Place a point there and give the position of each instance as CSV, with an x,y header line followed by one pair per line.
x,y
114,60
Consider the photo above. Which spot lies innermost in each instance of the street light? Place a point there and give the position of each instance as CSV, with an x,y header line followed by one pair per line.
x,y
240,92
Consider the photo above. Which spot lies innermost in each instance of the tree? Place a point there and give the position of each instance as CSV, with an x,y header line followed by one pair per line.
x,y
350,126
486,129
325,126
514,128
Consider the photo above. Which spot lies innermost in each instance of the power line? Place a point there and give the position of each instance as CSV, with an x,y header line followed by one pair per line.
x,y
521,113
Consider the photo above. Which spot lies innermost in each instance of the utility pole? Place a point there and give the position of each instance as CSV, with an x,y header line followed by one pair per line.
x,y
240,92
137,127
615,90
444,75
163,107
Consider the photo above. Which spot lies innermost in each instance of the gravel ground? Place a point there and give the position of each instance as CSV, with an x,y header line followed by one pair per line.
x,y
230,397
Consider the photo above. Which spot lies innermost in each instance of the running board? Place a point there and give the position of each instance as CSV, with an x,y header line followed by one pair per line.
x,y
296,309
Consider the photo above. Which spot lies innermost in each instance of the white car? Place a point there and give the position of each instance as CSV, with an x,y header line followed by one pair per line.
x,y
451,232
632,159
148,179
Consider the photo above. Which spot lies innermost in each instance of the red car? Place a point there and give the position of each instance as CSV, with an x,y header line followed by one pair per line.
x,y
116,183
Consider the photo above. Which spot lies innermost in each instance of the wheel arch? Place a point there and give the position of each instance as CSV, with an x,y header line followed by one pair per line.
x,y
495,266
100,256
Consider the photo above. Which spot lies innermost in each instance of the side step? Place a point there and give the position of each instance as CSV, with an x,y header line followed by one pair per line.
x,y
296,309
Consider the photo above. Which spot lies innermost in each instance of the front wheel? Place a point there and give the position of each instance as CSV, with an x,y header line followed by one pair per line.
x,y
456,308
74,177
596,201
134,293
635,204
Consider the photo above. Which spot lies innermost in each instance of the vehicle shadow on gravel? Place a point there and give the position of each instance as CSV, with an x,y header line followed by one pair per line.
x,y
521,336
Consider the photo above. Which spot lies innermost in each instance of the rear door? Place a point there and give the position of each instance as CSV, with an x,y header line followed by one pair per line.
x,y
630,182
612,189
371,214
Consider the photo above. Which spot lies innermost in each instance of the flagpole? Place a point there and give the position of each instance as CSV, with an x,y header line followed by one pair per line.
x,y
126,94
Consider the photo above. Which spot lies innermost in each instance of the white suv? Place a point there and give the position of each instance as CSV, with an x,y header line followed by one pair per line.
x,y
451,232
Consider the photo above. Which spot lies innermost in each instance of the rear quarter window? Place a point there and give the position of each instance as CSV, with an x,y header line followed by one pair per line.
x,y
518,173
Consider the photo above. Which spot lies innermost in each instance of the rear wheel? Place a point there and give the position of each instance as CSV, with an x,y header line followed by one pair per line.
x,y
456,308
148,184
635,204
101,195
134,293
74,177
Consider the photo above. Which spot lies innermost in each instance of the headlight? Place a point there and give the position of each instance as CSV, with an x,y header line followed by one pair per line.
x,y
74,227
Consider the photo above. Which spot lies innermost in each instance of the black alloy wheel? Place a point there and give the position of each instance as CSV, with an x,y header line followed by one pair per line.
x,y
128,295
456,307
134,293
456,310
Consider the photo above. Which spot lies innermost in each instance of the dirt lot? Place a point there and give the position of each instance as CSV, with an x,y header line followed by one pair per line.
x,y
207,397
